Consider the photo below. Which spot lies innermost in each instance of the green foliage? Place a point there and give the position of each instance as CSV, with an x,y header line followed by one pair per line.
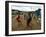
x,y
38,12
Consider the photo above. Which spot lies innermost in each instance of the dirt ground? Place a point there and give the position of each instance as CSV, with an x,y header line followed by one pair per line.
x,y
17,26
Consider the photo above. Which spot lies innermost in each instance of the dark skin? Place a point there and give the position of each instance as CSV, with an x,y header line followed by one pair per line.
x,y
29,20
18,17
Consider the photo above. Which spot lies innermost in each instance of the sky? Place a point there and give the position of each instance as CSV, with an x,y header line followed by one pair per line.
x,y
25,8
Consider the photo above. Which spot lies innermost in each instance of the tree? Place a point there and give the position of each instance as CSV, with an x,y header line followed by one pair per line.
x,y
38,13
